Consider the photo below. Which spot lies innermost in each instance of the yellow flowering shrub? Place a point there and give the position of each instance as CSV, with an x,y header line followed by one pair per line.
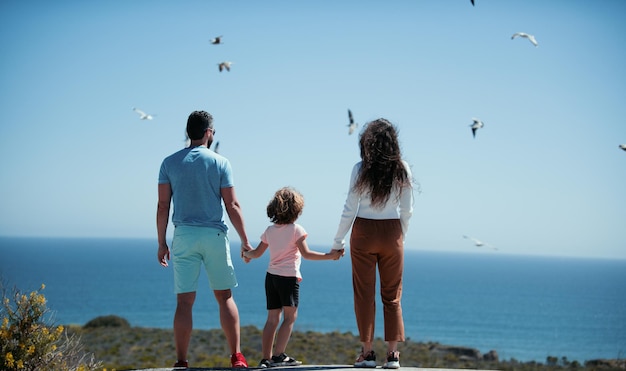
x,y
28,342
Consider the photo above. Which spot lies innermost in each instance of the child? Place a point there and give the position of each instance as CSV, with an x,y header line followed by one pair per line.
x,y
287,244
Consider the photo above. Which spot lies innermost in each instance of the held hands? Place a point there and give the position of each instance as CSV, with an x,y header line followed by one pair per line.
x,y
337,254
247,256
246,248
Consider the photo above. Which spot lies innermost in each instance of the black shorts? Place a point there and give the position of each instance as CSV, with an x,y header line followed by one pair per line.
x,y
281,291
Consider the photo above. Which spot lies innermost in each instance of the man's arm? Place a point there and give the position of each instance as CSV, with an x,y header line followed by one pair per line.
x,y
233,209
162,219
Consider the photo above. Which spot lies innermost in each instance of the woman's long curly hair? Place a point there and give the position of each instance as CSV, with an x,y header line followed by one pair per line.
x,y
286,206
382,168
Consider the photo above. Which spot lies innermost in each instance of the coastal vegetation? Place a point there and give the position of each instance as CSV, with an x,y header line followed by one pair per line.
x,y
125,347
29,341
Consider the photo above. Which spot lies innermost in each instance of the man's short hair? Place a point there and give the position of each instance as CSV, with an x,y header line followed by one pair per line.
x,y
197,123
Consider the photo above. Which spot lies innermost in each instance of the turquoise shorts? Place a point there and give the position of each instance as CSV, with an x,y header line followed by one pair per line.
x,y
193,247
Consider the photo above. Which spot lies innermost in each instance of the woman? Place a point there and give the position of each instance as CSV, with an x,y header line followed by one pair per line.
x,y
378,208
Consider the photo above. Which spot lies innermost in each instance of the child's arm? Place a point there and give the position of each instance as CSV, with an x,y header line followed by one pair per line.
x,y
315,255
253,254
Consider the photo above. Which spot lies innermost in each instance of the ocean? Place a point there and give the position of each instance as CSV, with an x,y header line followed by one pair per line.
x,y
525,307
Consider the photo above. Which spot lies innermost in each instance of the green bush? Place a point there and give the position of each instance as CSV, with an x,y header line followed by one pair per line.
x,y
27,342
107,321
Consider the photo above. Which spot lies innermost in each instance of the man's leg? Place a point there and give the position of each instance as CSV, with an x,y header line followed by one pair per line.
x,y
229,318
183,323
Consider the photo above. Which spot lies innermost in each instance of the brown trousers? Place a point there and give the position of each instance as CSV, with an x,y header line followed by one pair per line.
x,y
377,242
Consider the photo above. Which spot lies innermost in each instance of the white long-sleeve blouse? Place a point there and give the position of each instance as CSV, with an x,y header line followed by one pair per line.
x,y
399,206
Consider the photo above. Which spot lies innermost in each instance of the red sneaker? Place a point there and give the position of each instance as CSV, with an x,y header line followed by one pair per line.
x,y
237,360
181,364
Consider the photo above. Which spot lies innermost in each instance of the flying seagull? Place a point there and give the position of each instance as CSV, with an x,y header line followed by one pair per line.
x,y
623,146
142,114
224,66
476,125
217,40
531,38
352,125
479,243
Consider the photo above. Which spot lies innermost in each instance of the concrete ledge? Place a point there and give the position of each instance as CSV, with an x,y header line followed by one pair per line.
x,y
300,368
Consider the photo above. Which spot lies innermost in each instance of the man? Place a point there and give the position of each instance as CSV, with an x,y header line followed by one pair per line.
x,y
196,180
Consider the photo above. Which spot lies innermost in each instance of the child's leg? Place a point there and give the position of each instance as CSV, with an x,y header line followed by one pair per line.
x,y
284,333
269,331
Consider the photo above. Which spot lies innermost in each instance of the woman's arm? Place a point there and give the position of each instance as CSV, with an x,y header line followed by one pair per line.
x,y
350,209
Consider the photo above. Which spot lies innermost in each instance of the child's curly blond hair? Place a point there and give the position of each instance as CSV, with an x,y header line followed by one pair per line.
x,y
286,206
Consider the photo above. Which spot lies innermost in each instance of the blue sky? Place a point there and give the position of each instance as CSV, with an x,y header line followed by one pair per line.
x,y
544,176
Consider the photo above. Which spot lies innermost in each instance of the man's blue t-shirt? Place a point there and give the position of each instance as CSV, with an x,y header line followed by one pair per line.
x,y
196,176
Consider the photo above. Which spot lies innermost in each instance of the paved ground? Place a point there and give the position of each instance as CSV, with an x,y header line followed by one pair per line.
x,y
303,368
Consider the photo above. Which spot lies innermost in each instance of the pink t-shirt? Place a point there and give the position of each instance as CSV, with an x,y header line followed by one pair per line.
x,y
285,258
